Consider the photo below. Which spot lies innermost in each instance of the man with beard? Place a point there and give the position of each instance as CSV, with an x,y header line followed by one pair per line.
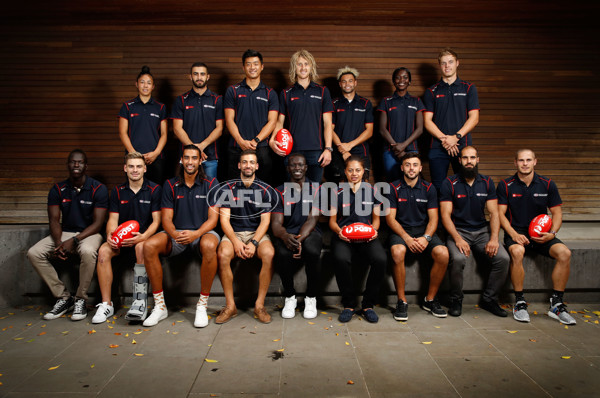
x,y
522,197
463,200
82,201
245,215
189,216
294,224
138,199
352,123
413,219
251,110
198,118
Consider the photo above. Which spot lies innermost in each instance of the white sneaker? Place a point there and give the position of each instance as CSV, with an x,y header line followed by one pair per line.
x,y
310,307
156,316
104,311
520,312
289,309
201,320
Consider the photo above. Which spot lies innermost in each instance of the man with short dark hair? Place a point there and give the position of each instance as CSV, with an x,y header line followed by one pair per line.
x,y
463,200
82,202
198,118
413,219
294,224
251,110
352,123
139,200
189,216
245,215
521,198
451,114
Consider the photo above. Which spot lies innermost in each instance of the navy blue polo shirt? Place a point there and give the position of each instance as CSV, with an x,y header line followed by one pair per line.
x,y
450,105
295,205
411,204
247,204
350,119
251,109
136,206
468,201
190,205
144,123
401,115
356,206
77,208
199,114
526,202
303,110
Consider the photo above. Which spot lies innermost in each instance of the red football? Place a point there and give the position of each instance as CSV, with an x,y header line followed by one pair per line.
x,y
285,140
358,232
125,231
539,225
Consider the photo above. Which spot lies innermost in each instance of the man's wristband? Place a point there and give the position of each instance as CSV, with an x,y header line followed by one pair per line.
x,y
328,148
552,232
75,240
257,140
254,242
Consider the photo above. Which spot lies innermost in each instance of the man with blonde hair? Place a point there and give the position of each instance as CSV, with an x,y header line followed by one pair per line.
x,y
307,107
352,122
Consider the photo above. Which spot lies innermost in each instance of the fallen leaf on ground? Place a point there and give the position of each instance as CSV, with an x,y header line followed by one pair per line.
x,y
113,346
110,327
337,334
29,324
281,350
566,357
41,334
311,323
426,342
54,367
587,316
117,334
43,326
535,312
512,331
533,340
277,340
92,331
139,355
323,312
92,366
566,327
437,327
127,335
182,311
133,342
18,338
30,341
175,333
350,382
210,360
168,331
137,332
347,343
65,332
178,321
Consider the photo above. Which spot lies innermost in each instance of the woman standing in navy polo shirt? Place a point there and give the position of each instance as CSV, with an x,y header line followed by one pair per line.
x,y
356,202
143,126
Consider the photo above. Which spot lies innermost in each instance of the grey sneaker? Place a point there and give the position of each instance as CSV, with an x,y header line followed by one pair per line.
x,y
79,311
559,312
520,311
61,307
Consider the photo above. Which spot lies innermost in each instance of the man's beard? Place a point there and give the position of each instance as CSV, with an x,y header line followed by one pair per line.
x,y
469,174
199,84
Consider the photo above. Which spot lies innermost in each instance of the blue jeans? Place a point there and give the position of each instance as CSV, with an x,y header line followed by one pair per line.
x,y
210,168
315,171
391,165
439,161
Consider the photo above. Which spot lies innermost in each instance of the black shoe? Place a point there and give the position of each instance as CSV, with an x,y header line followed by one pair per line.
x,y
401,312
346,315
493,307
434,307
370,315
61,307
455,308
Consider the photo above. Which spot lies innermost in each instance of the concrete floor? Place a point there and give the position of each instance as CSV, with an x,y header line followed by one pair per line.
x,y
475,355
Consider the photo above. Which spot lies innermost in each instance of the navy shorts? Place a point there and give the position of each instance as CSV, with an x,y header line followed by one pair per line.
x,y
416,232
543,248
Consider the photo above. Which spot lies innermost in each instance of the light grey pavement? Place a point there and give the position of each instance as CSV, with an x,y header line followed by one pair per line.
x,y
475,355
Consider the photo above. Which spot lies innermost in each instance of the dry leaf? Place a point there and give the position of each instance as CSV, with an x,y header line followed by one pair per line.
x,y
512,331
587,316
175,333
139,355
65,332
41,334
92,366
437,327
137,332
350,382
277,340
182,311
29,324
30,341
533,340
18,338
311,323
566,357
43,326
110,327
566,327
127,335
347,343
92,331
113,346
117,334
281,350
178,321
133,342
337,334
323,312
54,367
210,360
426,342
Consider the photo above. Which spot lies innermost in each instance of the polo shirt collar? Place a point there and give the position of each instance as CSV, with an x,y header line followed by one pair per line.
x,y
260,85
457,82
143,188
533,181
195,94
405,96
310,85
150,101
87,184
477,178
403,183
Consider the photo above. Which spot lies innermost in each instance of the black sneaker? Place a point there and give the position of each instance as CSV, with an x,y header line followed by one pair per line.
x,y
455,308
346,315
370,315
79,311
434,307
401,312
493,307
61,307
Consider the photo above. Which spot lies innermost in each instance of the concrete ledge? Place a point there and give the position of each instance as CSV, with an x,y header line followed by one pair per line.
x,y
21,285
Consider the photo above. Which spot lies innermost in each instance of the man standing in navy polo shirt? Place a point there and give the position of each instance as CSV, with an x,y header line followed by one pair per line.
x,y
294,224
463,200
400,123
245,216
521,198
82,201
352,123
307,107
189,216
413,219
251,110
198,118
138,199
452,112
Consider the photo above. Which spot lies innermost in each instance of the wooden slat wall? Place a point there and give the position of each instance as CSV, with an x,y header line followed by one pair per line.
x,y
62,84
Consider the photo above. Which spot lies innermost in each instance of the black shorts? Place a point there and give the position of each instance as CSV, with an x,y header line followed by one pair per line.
x,y
416,232
543,248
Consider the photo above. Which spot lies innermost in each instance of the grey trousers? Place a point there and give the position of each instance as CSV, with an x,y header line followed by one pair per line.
x,y
499,263
88,252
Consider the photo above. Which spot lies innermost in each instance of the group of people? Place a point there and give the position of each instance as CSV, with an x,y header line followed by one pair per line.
x,y
279,226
